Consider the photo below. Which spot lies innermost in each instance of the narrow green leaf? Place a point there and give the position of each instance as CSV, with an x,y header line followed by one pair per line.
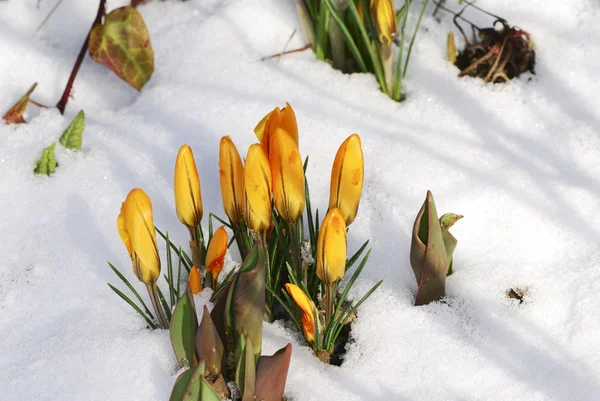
x,y
128,284
164,303
133,305
72,137
47,164
350,262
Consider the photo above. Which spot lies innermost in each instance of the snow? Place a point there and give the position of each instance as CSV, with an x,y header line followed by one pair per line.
x,y
520,161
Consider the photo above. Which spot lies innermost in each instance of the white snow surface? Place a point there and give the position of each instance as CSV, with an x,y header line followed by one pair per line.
x,y
521,162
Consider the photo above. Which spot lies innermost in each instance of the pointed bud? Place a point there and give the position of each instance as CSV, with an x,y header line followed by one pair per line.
x,y
278,118
215,256
137,231
288,176
188,199
347,178
384,19
331,248
308,310
257,184
194,280
231,172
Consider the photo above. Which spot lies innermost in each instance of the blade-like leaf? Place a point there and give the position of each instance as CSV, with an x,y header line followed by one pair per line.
x,y
181,384
71,138
245,368
123,45
247,305
47,163
271,374
183,331
209,345
194,388
133,305
208,393
15,114
428,256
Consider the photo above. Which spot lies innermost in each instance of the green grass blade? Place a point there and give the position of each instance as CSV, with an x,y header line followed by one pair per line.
x,y
414,36
350,262
128,284
350,284
170,272
220,220
355,308
164,303
133,305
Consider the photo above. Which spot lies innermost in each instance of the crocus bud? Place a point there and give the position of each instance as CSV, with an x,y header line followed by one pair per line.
x,y
288,176
331,248
194,280
257,184
231,173
384,20
215,256
188,199
308,310
278,118
347,178
139,236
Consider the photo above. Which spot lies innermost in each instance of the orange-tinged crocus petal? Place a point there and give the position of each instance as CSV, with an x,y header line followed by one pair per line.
x,y
347,178
215,255
123,231
137,211
231,176
289,123
278,118
288,176
195,281
384,19
308,310
257,184
331,248
188,199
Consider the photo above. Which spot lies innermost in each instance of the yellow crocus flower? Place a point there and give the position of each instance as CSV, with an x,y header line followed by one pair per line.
x,y
231,173
288,176
347,178
331,248
188,200
257,184
195,281
136,228
384,19
278,118
308,310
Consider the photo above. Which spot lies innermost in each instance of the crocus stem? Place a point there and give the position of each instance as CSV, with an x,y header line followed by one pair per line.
x,y
160,313
196,248
212,282
239,240
296,251
330,297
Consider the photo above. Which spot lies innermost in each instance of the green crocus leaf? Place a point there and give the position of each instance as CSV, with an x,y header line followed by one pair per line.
x,y
429,259
447,221
194,388
123,45
245,372
71,138
207,392
183,331
181,384
47,163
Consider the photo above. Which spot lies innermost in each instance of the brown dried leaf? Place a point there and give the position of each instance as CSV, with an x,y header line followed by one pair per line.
x,y
15,114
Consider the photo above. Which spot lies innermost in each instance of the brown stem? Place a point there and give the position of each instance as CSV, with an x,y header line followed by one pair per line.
x,y
330,297
62,103
308,46
37,104
197,254
160,313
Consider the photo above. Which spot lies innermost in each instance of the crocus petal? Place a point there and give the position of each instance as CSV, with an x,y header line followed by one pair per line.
x,y
215,255
307,307
140,227
231,173
289,123
384,19
257,184
188,199
331,248
288,176
194,280
347,178
123,231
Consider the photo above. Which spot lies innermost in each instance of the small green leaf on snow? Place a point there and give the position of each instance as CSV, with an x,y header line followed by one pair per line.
x,y
47,163
71,138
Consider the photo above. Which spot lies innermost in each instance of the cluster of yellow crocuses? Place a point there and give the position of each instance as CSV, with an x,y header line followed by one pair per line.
x,y
269,185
